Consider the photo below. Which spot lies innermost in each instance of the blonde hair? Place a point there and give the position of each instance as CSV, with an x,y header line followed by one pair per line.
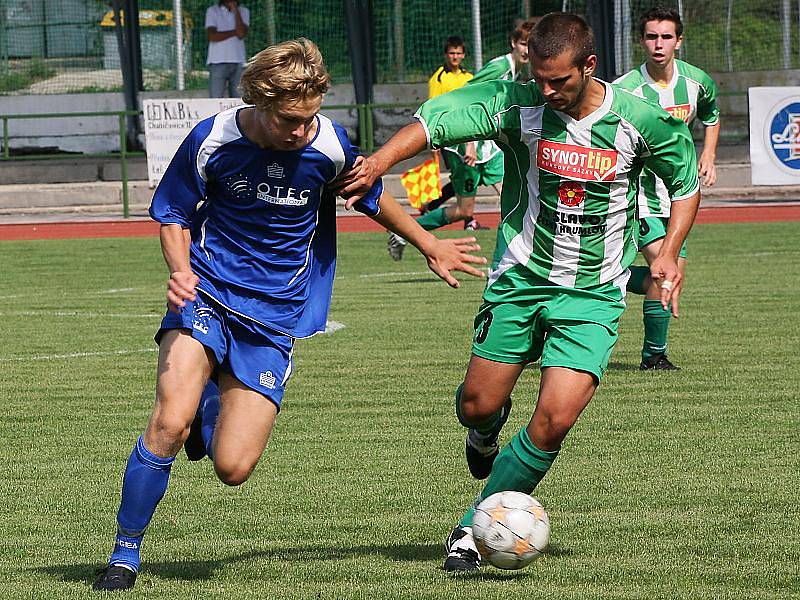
x,y
290,71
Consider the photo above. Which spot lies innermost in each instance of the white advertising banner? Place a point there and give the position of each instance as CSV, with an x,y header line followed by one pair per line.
x,y
774,135
167,121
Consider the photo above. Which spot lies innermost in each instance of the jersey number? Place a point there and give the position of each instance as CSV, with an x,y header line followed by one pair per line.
x,y
482,330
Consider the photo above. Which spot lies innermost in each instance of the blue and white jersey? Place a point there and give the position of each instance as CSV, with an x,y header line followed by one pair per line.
x,y
263,224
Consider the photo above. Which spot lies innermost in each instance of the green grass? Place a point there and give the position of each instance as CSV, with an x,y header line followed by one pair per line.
x,y
683,485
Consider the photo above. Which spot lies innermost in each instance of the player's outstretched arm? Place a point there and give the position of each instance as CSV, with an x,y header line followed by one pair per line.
x,y
175,243
664,269
443,256
406,143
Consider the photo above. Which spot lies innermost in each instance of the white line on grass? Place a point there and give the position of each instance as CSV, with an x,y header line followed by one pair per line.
x,y
114,291
332,326
76,313
74,355
368,275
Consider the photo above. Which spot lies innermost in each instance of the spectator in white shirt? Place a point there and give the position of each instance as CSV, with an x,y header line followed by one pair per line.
x,y
226,25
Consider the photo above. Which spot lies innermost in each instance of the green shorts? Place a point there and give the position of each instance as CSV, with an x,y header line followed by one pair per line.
x,y
466,179
565,327
652,229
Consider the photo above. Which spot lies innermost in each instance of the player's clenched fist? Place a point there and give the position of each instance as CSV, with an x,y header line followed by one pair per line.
x,y
181,287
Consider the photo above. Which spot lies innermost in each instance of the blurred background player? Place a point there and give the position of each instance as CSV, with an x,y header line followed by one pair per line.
x,y
226,26
514,65
689,94
248,232
471,164
448,77
556,288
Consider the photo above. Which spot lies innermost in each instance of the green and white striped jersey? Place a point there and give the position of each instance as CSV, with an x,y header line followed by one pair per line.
x,y
569,193
691,95
501,68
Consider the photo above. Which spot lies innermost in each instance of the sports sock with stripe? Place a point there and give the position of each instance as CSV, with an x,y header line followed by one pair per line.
x,y
656,328
143,486
210,403
520,466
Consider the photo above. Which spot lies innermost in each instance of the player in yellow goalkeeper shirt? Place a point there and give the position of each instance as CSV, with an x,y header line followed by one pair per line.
x,y
448,77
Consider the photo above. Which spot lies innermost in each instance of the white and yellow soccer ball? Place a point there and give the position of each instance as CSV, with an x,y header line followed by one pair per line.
x,y
511,529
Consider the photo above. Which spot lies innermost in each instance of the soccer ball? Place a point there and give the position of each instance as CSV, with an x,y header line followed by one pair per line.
x,y
511,529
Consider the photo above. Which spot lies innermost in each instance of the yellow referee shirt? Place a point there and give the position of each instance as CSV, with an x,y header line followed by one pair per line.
x,y
443,81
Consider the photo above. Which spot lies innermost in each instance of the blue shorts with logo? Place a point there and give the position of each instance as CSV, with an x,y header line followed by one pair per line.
x,y
257,356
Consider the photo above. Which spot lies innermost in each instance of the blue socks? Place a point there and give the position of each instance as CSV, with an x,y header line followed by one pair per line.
x,y
143,486
209,404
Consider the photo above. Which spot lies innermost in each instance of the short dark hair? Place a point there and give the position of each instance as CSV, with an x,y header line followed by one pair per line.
x,y
557,33
454,41
660,13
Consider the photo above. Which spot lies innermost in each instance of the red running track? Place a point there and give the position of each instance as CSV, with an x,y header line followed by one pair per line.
x,y
348,223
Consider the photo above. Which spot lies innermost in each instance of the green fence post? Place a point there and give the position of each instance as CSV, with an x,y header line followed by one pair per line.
x,y
123,147
370,130
362,127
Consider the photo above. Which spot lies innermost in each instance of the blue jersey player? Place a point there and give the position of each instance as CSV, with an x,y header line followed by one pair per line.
x,y
248,234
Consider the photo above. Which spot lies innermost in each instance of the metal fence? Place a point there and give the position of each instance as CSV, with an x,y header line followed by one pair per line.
x,y
720,35
58,46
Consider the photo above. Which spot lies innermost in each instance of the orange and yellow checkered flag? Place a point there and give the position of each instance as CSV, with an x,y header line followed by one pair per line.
x,y
422,183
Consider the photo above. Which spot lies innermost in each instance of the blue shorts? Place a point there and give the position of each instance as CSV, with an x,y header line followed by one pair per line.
x,y
258,357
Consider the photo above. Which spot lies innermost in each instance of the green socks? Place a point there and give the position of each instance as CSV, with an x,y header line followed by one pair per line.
x,y
656,328
520,466
656,319
433,219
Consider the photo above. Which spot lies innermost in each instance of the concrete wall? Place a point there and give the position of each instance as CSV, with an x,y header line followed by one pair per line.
x,y
100,134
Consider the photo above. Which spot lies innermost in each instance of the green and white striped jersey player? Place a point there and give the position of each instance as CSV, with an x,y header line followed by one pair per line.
x,y
687,93
568,200
691,95
475,163
573,148
508,67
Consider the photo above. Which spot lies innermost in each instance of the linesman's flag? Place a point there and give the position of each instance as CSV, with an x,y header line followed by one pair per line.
x,y
422,183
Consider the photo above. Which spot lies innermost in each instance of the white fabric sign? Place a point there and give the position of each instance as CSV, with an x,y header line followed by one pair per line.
x,y
168,121
775,135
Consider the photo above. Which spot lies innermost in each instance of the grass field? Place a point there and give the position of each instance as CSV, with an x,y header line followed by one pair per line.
x,y
682,485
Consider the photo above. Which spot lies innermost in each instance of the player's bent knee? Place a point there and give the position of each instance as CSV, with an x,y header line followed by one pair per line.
x,y
552,428
476,406
233,474
234,477
167,434
462,212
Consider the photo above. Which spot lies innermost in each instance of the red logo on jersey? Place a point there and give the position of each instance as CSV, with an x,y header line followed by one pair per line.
x,y
576,162
682,111
571,193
